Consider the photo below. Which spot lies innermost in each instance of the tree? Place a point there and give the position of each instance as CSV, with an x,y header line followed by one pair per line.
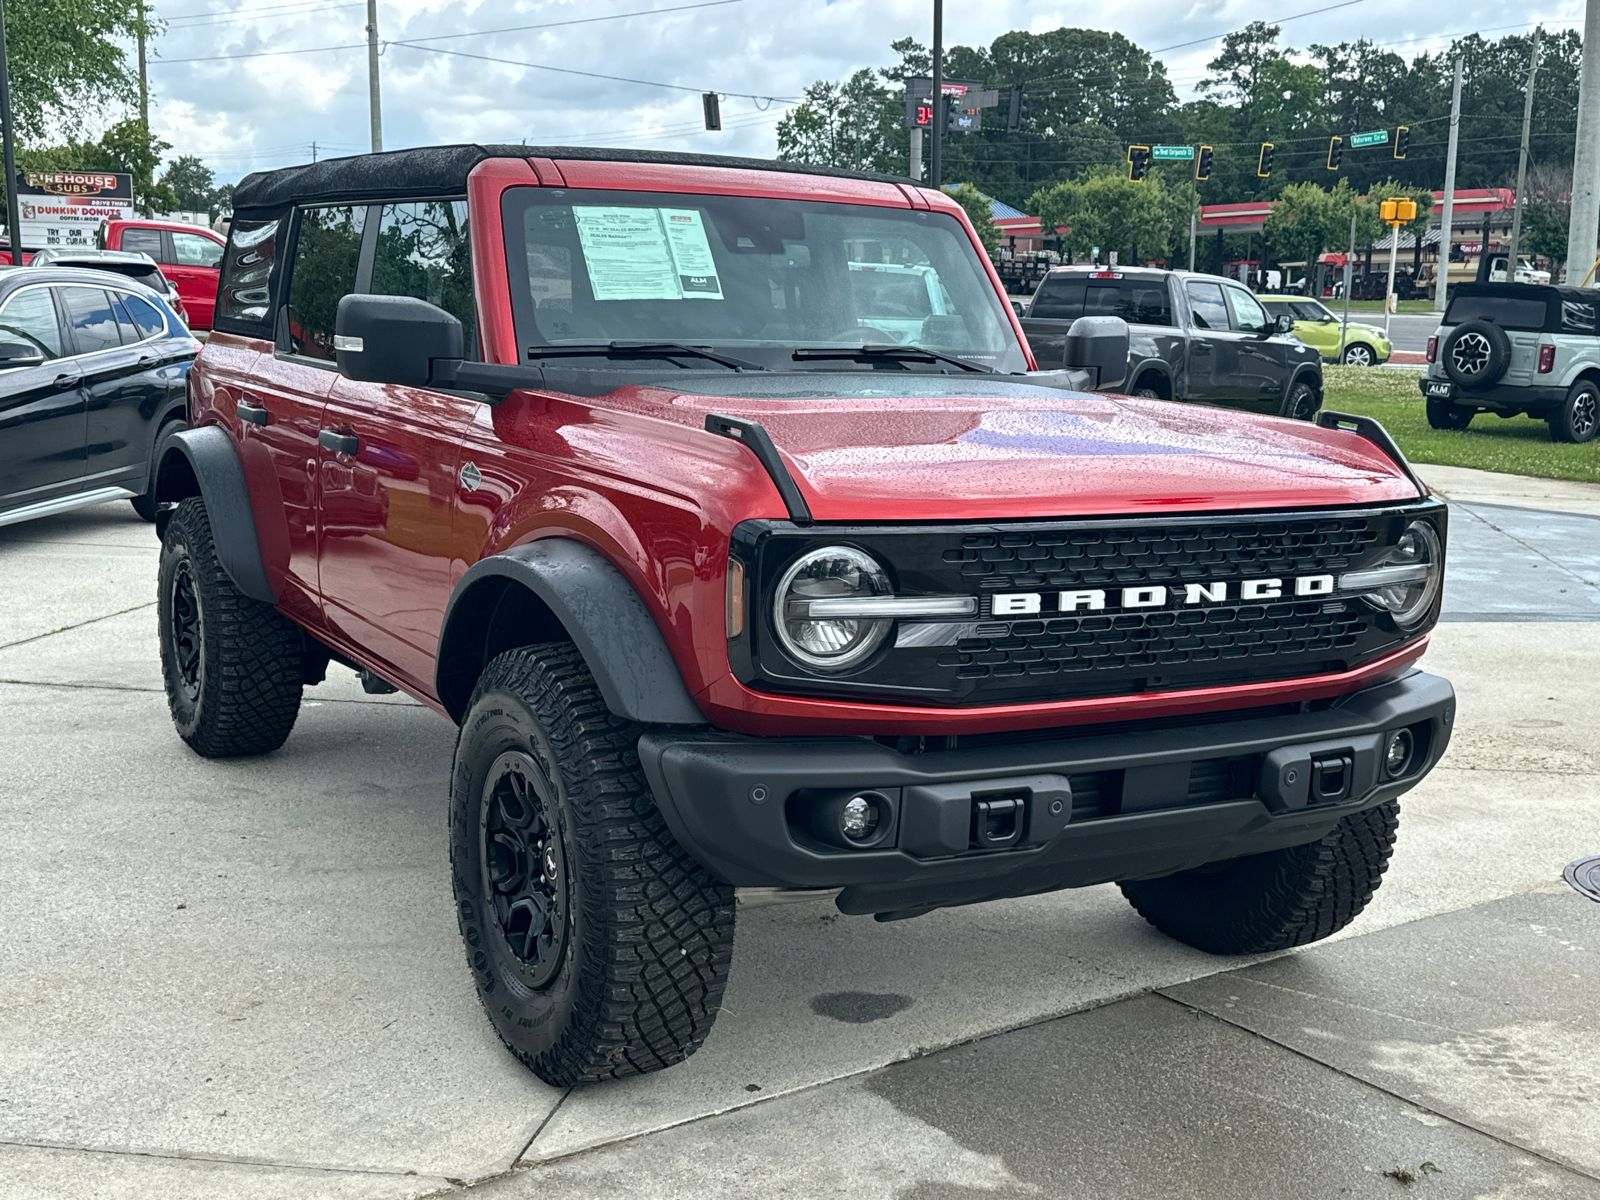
x,y
849,124
69,60
192,183
123,147
976,205
1140,221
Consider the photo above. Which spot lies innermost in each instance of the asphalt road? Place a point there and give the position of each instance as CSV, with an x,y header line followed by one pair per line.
x,y
1407,331
244,978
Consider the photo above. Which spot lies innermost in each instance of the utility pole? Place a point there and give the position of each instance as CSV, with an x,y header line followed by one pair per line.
x,y
914,166
313,152
374,100
1585,219
1192,215
936,155
1441,280
1522,162
13,208
1349,278
144,83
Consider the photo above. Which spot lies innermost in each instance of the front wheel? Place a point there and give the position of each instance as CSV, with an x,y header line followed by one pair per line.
x,y
1578,418
600,948
1276,900
1302,402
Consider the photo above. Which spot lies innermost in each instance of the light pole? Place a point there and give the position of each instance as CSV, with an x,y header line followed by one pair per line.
x,y
13,208
1585,220
936,146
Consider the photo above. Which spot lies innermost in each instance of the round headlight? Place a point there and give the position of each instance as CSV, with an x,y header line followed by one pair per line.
x,y
1415,566
831,641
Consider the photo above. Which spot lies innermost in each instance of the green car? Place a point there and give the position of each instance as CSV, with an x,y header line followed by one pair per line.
x,y
1318,327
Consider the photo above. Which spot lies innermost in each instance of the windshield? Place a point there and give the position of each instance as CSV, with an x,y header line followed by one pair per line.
x,y
752,276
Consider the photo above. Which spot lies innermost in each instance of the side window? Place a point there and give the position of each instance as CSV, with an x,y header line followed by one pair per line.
x,y
1248,315
324,272
244,297
193,250
144,241
29,318
1205,300
93,319
150,323
423,251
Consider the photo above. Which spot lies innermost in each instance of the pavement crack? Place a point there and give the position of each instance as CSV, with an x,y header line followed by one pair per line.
x,y
230,1160
1531,548
38,637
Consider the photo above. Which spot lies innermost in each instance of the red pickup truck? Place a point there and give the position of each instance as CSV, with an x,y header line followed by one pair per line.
x,y
731,579
188,255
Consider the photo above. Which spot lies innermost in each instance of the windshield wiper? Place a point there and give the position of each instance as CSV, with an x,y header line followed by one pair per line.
x,y
641,350
887,353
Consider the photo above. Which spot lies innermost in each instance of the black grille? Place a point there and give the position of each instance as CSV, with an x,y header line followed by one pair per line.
x,y
1001,658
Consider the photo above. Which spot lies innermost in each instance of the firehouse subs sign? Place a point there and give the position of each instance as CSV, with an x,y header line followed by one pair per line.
x,y
64,208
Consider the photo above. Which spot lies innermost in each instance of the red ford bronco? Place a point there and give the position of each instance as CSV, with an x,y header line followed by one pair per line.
x,y
742,565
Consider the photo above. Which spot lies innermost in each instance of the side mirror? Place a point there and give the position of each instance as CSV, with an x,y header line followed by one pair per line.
x,y
1282,323
406,341
1101,346
19,354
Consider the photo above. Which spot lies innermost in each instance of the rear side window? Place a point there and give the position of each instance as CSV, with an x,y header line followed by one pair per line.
x,y
1578,316
1527,313
1137,301
423,251
143,241
194,250
29,319
327,251
146,319
92,317
244,295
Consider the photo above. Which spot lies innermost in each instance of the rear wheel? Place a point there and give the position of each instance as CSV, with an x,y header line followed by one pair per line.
x,y
1358,354
1276,900
232,665
1578,418
599,946
1150,387
1444,415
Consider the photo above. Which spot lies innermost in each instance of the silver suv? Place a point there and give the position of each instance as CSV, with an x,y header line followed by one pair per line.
x,y
1514,349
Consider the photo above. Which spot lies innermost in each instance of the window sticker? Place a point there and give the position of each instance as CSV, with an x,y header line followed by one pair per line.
x,y
646,253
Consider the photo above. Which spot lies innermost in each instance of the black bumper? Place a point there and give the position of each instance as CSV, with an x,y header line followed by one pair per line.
x,y
1087,807
1505,398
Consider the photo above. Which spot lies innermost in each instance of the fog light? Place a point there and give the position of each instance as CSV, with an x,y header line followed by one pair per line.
x,y
858,819
1397,756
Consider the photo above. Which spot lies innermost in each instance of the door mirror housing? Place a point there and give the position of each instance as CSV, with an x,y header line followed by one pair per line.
x,y
19,354
1282,323
409,342
1099,345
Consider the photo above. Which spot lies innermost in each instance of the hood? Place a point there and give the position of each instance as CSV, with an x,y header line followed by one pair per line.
x,y
922,447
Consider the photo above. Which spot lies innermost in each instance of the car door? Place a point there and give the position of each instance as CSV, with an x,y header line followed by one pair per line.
x,y
388,490
41,405
122,384
1262,374
193,269
1213,350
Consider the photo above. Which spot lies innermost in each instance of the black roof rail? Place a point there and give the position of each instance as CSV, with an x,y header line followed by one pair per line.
x,y
1375,433
761,445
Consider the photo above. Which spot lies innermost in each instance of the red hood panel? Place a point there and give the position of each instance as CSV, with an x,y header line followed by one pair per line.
x,y
929,447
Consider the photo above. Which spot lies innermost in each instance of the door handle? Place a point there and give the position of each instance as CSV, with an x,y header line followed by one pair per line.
x,y
146,361
339,443
68,382
252,413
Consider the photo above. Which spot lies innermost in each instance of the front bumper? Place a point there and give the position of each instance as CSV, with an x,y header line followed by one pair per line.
x,y
1088,807
1500,397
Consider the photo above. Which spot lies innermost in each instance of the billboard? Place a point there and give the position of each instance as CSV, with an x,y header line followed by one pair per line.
x,y
65,208
967,93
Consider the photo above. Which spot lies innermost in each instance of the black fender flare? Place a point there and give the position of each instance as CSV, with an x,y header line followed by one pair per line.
x,y
208,458
1306,372
1153,366
595,605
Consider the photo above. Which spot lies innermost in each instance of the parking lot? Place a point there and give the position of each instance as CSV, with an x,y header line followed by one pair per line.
x,y
245,979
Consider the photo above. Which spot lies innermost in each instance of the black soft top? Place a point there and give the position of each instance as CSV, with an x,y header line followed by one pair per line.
x,y
443,170
1529,291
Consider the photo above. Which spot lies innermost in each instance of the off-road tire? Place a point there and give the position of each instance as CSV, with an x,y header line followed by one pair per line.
x,y
1273,901
1444,415
1150,386
1302,402
1578,418
646,937
250,657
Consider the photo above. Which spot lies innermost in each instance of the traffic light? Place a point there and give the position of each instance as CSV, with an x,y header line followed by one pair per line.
x,y
1407,210
1335,152
1138,162
951,110
712,103
1264,163
1402,139
1018,113
1202,163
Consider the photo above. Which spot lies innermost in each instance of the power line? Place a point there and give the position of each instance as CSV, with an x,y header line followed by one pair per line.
x,y
246,18
208,16
1310,12
648,12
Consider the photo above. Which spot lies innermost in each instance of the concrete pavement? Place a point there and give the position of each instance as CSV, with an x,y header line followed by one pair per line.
x,y
245,979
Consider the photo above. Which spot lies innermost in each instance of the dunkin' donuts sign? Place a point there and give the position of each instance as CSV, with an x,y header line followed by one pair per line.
x,y
65,208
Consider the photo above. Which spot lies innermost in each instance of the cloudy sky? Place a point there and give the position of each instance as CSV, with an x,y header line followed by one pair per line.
x,y
248,84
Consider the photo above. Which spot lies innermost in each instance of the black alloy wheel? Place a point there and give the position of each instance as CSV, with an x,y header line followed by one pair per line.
x,y
525,867
187,630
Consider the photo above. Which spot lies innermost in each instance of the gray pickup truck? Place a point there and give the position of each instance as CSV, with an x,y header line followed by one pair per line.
x,y
1191,337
